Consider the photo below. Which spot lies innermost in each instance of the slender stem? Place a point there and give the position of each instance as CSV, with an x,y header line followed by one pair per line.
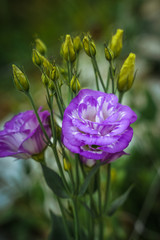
x,y
38,118
101,229
77,172
146,208
112,75
107,187
59,103
76,220
108,78
96,77
121,96
64,218
99,74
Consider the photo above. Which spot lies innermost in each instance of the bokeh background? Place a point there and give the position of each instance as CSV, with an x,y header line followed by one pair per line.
x,y
23,203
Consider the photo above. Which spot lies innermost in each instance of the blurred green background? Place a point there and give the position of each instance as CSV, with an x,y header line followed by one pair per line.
x,y
23,205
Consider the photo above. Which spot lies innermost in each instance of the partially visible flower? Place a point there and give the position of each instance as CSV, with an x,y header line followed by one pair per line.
x,y
96,126
22,136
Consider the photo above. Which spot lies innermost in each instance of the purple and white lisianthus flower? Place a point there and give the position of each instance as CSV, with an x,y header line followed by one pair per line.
x,y
96,126
22,136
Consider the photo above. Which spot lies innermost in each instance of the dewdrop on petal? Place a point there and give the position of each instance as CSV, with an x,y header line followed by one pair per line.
x,y
40,46
20,79
89,46
116,43
68,51
126,76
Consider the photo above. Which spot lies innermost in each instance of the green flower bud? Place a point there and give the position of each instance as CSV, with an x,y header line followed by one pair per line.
x,y
54,73
20,80
51,86
89,46
74,84
77,44
45,80
68,51
40,46
46,67
126,76
116,42
36,57
108,54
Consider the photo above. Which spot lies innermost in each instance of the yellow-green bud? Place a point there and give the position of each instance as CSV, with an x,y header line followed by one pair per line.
x,y
36,57
54,73
68,51
89,46
77,44
108,54
20,79
66,164
45,79
46,66
51,86
40,46
116,43
126,76
74,84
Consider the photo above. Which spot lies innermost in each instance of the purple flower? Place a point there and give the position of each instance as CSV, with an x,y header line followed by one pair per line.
x,y
96,126
22,136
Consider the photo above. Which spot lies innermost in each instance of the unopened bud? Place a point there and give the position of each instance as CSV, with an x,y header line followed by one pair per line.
x,y
89,46
46,66
66,164
20,79
77,44
109,54
40,46
68,51
126,76
116,42
45,79
74,84
36,57
51,86
54,73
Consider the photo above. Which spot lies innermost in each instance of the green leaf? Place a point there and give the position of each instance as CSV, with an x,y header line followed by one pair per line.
x,y
119,201
88,179
54,182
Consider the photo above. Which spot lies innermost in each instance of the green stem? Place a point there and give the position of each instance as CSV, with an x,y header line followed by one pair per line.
x,y
76,220
121,96
38,118
107,187
96,77
98,72
108,78
77,172
112,75
101,229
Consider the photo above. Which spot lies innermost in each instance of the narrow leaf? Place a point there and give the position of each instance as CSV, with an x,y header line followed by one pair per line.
x,y
88,179
54,182
119,201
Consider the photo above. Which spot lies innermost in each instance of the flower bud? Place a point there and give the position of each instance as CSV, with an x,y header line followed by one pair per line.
x,y
36,57
74,84
89,46
40,46
46,66
66,164
116,42
77,44
68,51
45,80
54,73
51,86
108,54
20,79
126,76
